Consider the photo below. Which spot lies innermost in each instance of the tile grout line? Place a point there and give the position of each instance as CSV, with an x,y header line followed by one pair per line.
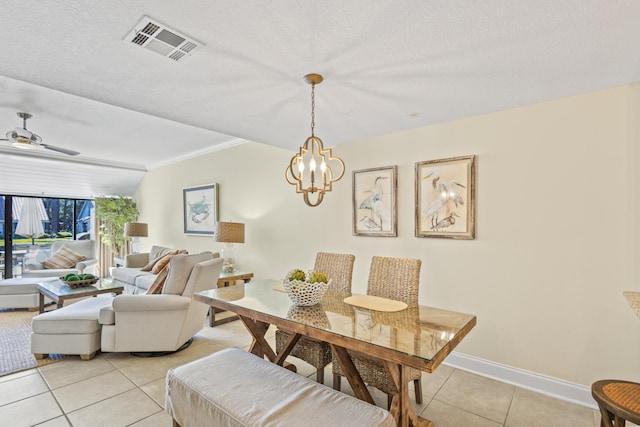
x,y
64,414
437,391
513,396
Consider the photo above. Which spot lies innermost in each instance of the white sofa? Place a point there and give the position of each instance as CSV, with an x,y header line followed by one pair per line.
x,y
131,277
33,265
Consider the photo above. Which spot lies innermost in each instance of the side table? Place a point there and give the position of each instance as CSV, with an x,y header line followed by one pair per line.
x,y
224,280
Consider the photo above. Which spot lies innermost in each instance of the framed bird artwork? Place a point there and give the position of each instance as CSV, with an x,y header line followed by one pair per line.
x,y
446,198
375,202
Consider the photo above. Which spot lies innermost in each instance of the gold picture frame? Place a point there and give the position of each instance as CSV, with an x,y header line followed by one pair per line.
x,y
375,201
446,198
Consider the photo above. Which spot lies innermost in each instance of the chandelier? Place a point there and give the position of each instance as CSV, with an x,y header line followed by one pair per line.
x,y
303,167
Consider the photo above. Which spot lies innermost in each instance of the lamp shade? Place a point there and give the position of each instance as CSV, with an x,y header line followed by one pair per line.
x,y
229,232
136,229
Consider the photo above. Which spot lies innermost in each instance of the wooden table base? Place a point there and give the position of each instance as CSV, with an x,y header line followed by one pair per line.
x,y
216,322
401,408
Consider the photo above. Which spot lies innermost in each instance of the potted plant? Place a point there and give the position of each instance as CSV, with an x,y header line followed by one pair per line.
x,y
113,213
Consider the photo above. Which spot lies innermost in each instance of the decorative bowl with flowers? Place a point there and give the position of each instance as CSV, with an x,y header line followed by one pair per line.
x,y
305,289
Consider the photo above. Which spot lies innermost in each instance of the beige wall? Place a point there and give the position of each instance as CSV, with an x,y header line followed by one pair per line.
x,y
557,238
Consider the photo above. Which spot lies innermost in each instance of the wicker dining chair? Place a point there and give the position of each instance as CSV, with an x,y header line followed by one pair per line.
x,y
397,279
338,268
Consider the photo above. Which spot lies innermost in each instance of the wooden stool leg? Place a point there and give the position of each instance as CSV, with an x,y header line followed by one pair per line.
x,y
606,418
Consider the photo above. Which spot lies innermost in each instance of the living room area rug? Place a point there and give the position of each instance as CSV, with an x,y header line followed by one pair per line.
x,y
15,342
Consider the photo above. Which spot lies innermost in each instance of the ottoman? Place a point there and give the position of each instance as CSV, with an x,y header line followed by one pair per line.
x,y
73,329
22,292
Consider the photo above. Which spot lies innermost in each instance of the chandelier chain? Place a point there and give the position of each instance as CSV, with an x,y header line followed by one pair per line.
x,y
313,107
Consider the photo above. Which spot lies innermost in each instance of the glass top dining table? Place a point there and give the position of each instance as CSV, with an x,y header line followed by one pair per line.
x,y
417,336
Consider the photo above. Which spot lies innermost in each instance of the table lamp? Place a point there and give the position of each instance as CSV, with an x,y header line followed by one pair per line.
x,y
135,230
229,233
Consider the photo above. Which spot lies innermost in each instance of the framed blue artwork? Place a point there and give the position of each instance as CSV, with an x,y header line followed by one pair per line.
x,y
200,208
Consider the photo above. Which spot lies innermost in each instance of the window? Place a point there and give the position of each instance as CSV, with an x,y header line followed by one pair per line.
x,y
28,225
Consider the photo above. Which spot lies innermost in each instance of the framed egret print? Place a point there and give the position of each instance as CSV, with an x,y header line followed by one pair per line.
x,y
375,202
446,198
200,209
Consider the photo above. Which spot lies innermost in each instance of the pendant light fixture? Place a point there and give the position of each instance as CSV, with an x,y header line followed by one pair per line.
x,y
311,170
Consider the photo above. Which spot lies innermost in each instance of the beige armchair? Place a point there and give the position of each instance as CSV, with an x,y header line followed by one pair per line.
x,y
35,265
164,322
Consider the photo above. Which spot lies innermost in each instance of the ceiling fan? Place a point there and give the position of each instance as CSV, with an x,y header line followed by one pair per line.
x,y
22,138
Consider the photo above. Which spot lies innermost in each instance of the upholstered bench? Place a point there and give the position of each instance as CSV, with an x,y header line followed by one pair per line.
x,y
22,292
72,329
234,388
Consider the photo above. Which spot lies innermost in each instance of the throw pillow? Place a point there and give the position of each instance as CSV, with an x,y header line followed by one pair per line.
x,y
63,258
162,263
150,264
155,255
157,252
158,284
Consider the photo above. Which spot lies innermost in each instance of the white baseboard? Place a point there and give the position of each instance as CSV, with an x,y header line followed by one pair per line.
x,y
559,389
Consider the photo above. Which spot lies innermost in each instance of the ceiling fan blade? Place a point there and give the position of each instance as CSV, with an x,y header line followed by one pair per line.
x,y
60,150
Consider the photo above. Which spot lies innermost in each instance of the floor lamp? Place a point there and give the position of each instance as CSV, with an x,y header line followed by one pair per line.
x,y
135,230
229,233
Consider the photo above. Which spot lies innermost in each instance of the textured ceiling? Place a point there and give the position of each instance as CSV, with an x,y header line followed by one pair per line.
x,y
388,66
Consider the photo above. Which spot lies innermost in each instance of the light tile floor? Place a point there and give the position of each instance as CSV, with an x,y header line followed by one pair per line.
x,y
117,389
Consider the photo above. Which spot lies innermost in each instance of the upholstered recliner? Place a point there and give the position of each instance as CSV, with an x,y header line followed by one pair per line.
x,y
163,322
35,264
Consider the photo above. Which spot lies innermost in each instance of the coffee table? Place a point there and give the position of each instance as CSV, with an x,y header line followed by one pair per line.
x,y
59,291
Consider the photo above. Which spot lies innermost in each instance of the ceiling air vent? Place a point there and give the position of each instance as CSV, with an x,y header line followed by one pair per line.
x,y
162,40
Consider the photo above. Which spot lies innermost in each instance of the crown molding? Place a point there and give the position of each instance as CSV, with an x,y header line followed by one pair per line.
x,y
44,155
192,154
